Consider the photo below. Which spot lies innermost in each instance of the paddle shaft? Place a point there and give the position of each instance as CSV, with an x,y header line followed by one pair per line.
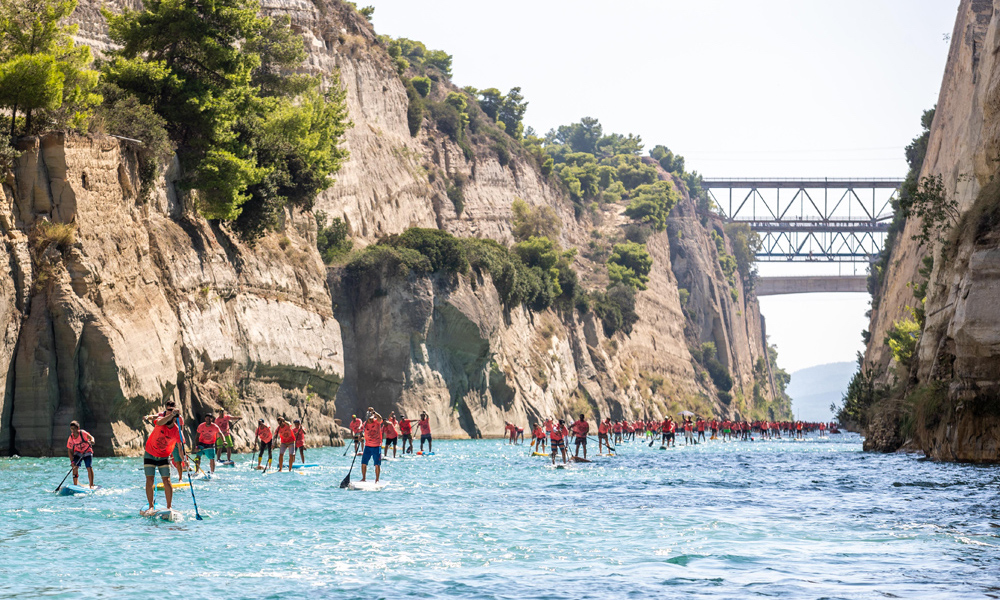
x,y
599,444
197,515
75,465
347,480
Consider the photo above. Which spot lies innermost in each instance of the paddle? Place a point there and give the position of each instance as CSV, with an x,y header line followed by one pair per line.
x,y
267,467
197,515
75,465
347,480
610,449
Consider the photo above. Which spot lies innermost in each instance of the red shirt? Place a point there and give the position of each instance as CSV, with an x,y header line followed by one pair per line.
x,y
300,437
580,428
539,433
405,427
79,444
162,441
602,428
285,434
425,426
356,425
264,433
389,429
558,432
207,434
223,423
373,434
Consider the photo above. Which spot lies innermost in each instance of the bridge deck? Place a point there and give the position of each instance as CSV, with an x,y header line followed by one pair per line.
x,y
799,183
776,286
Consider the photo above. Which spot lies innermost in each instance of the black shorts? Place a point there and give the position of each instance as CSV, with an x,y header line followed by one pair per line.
x,y
391,442
602,436
581,440
425,436
670,435
406,437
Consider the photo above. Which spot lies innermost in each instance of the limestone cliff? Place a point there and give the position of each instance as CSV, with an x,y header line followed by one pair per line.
x,y
946,402
148,301
113,304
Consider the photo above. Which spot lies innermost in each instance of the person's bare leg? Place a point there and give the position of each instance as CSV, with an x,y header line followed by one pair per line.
x,y
364,471
149,490
90,476
378,471
168,491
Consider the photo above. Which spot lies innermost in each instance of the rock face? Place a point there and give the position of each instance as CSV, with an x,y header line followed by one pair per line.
x,y
952,390
150,302
141,302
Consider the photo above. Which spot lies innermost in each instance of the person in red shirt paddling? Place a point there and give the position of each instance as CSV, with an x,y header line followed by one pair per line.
x,y
538,438
224,420
80,446
356,427
603,428
300,439
390,434
558,438
425,432
265,440
510,432
406,433
286,442
208,434
580,429
373,444
179,454
701,429
160,446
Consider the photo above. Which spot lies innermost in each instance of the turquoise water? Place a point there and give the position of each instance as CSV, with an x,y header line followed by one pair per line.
x,y
815,519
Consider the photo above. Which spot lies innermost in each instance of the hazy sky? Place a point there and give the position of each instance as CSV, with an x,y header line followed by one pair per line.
x,y
745,88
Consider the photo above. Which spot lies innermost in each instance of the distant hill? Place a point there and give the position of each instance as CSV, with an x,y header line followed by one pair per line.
x,y
813,389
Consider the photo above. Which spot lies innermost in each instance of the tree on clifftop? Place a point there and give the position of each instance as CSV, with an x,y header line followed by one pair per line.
x,y
251,134
43,74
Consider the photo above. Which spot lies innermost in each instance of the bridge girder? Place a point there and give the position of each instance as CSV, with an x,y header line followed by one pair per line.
x,y
810,226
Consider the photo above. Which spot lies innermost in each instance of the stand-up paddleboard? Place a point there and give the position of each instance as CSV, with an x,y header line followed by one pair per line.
x,y
308,466
366,486
580,460
561,466
163,514
540,454
174,484
607,455
663,447
227,463
425,454
72,490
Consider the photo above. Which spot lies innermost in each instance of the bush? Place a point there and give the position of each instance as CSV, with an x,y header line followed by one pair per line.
x,y
637,233
652,203
422,85
447,119
414,109
902,339
122,114
630,264
719,374
332,241
540,221
616,308
503,154
443,250
457,196
46,233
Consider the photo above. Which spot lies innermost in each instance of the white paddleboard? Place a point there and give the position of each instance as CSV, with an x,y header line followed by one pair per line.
x,y
72,490
162,514
366,486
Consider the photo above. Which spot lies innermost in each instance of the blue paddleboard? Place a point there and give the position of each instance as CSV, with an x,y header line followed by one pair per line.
x,y
72,490
306,466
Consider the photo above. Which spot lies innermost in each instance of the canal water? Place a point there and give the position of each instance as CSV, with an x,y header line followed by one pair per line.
x,y
481,519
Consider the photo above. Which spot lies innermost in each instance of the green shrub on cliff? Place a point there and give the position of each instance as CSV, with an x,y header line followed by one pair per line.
x,y
251,134
332,239
652,203
630,264
616,308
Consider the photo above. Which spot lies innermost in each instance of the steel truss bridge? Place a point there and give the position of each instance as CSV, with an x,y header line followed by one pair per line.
x,y
810,220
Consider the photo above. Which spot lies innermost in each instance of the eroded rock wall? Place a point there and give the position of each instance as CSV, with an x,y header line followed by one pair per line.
x,y
951,393
146,302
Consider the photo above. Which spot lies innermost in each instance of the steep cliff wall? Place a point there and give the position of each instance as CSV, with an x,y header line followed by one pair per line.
x,y
947,401
115,304
151,302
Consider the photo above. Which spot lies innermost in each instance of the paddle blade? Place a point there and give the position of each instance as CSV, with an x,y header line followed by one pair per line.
x,y
346,482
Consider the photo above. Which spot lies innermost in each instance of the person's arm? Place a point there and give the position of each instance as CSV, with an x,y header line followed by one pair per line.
x,y
235,419
166,418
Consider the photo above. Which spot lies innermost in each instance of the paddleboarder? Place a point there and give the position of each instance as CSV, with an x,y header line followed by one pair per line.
x,y
286,442
300,440
179,454
224,420
208,434
356,426
425,432
406,433
390,434
265,439
580,429
557,437
373,444
80,446
160,446
603,428
539,434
